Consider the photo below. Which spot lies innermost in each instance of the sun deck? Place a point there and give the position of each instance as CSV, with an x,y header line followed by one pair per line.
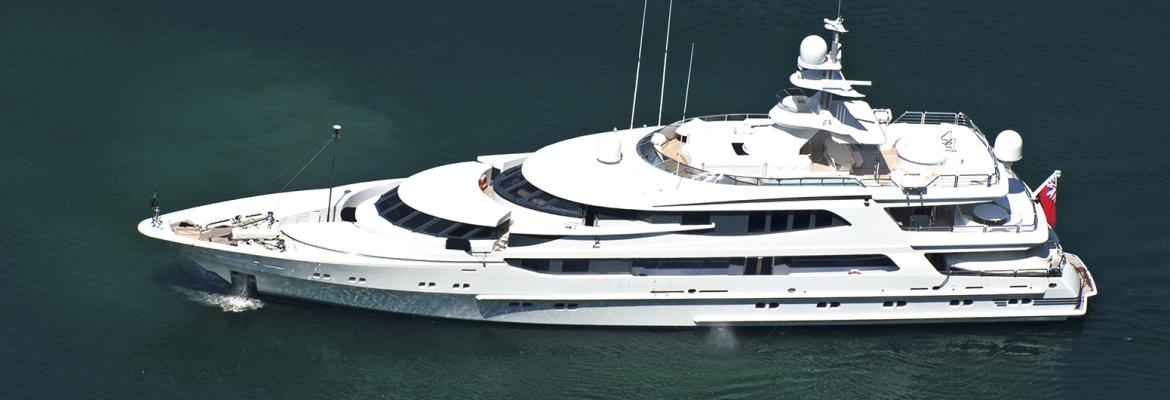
x,y
750,149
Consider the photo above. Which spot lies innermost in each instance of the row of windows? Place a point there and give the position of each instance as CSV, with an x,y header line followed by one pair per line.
x,y
764,222
705,266
393,209
512,185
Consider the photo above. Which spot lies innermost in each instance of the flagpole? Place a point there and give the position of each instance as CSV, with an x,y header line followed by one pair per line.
x,y
1036,192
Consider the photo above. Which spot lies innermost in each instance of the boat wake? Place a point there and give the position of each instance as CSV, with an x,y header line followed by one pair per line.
x,y
722,337
227,303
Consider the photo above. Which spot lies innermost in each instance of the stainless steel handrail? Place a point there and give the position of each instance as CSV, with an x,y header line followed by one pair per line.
x,y
792,91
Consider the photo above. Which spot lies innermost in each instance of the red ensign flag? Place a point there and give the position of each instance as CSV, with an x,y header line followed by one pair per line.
x,y
1046,195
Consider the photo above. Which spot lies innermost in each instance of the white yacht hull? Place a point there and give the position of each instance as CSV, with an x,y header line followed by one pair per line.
x,y
282,277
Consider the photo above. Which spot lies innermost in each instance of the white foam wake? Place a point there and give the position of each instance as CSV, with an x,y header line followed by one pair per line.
x,y
227,303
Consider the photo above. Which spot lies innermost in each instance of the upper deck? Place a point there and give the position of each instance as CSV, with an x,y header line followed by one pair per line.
x,y
712,175
749,149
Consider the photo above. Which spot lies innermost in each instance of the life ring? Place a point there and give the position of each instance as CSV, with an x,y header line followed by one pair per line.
x,y
483,182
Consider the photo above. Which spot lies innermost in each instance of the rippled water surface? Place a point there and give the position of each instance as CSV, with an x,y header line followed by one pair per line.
x,y
103,102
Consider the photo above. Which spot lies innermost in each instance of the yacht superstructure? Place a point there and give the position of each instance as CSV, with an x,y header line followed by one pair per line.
x,y
822,211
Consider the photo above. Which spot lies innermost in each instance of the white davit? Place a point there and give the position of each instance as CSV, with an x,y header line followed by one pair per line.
x,y
822,211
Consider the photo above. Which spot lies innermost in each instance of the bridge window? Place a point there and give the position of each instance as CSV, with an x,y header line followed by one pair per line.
x,y
393,209
512,186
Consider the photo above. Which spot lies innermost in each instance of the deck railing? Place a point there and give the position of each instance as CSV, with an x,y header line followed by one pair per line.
x,y
1012,228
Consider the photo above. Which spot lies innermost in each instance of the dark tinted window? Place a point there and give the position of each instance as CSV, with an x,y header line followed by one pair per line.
x,y
682,263
618,214
730,224
703,266
609,266
439,226
391,207
837,261
779,221
757,222
415,221
826,219
535,265
512,186
647,151
801,220
696,218
575,266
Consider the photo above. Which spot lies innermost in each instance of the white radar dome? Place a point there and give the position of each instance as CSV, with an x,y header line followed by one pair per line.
x,y
813,50
609,149
1009,146
658,138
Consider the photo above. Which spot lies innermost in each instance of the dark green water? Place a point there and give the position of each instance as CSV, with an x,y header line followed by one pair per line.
x,y
102,103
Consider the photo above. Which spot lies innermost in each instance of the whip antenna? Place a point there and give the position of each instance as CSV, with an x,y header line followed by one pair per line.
x,y
638,69
332,167
665,54
690,65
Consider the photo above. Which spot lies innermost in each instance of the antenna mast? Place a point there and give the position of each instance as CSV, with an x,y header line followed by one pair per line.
x,y
665,54
638,70
690,66
332,167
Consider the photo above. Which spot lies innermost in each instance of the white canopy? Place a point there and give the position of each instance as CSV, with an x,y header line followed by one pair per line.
x,y
452,192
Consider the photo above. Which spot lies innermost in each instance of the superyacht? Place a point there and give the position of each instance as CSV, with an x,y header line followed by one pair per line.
x,y
825,210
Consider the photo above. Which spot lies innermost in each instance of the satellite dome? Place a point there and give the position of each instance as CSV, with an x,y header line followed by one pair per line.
x,y
1009,146
658,138
609,149
813,50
